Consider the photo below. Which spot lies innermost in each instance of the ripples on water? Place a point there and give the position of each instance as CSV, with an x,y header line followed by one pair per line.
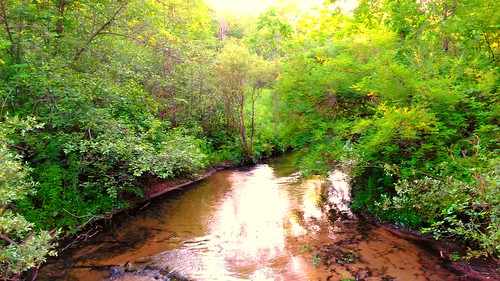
x,y
247,224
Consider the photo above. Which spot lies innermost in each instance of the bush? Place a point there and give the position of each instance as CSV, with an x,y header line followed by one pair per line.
x,y
21,248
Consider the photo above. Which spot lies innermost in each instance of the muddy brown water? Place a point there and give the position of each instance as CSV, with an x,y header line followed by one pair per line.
x,y
258,223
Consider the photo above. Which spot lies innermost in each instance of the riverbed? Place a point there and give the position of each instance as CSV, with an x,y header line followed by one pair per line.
x,y
262,222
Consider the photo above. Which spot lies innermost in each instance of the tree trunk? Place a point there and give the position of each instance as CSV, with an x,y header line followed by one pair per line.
x,y
241,117
449,14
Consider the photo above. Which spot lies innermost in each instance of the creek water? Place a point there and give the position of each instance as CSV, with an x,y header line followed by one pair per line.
x,y
256,223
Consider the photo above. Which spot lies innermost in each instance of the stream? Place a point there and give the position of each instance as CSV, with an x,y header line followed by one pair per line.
x,y
263,222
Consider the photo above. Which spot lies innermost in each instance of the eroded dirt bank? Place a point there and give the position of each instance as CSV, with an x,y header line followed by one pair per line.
x,y
435,256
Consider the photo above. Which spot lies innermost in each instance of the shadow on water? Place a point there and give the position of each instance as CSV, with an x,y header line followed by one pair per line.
x,y
263,222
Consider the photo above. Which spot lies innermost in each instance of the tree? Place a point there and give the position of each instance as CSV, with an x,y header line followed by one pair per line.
x,y
271,34
233,66
93,72
263,75
401,96
242,77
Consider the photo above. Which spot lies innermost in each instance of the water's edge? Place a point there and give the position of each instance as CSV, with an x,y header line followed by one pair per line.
x,y
334,252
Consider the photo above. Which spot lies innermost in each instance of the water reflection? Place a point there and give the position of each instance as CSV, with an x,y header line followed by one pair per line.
x,y
259,223
248,234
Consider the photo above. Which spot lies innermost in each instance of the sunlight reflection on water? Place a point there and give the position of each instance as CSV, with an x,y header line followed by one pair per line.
x,y
247,224
248,234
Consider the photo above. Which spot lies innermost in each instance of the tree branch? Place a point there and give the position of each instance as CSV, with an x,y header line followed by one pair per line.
x,y
99,30
5,238
3,16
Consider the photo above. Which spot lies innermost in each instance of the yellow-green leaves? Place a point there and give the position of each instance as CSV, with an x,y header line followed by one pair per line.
x,y
394,122
20,249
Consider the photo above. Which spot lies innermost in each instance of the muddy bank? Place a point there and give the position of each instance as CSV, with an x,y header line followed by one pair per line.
x,y
449,254
158,187
445,253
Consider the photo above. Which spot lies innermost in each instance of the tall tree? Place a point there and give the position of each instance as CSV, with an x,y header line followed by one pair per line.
x,y
241,78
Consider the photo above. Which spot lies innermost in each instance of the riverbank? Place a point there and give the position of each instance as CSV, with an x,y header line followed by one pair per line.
x,y
450,254
447,253
361,248
159,186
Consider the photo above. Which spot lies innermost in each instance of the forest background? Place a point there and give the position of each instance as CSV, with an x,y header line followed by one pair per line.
x,y
100,98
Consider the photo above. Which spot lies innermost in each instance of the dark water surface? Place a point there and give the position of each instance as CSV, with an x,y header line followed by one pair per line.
x,y
258,223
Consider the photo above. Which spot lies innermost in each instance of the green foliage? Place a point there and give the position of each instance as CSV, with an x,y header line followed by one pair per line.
x,y
453,208
20,247
103,172
100,79
242,78
27,251
271,34
95,74
403,97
